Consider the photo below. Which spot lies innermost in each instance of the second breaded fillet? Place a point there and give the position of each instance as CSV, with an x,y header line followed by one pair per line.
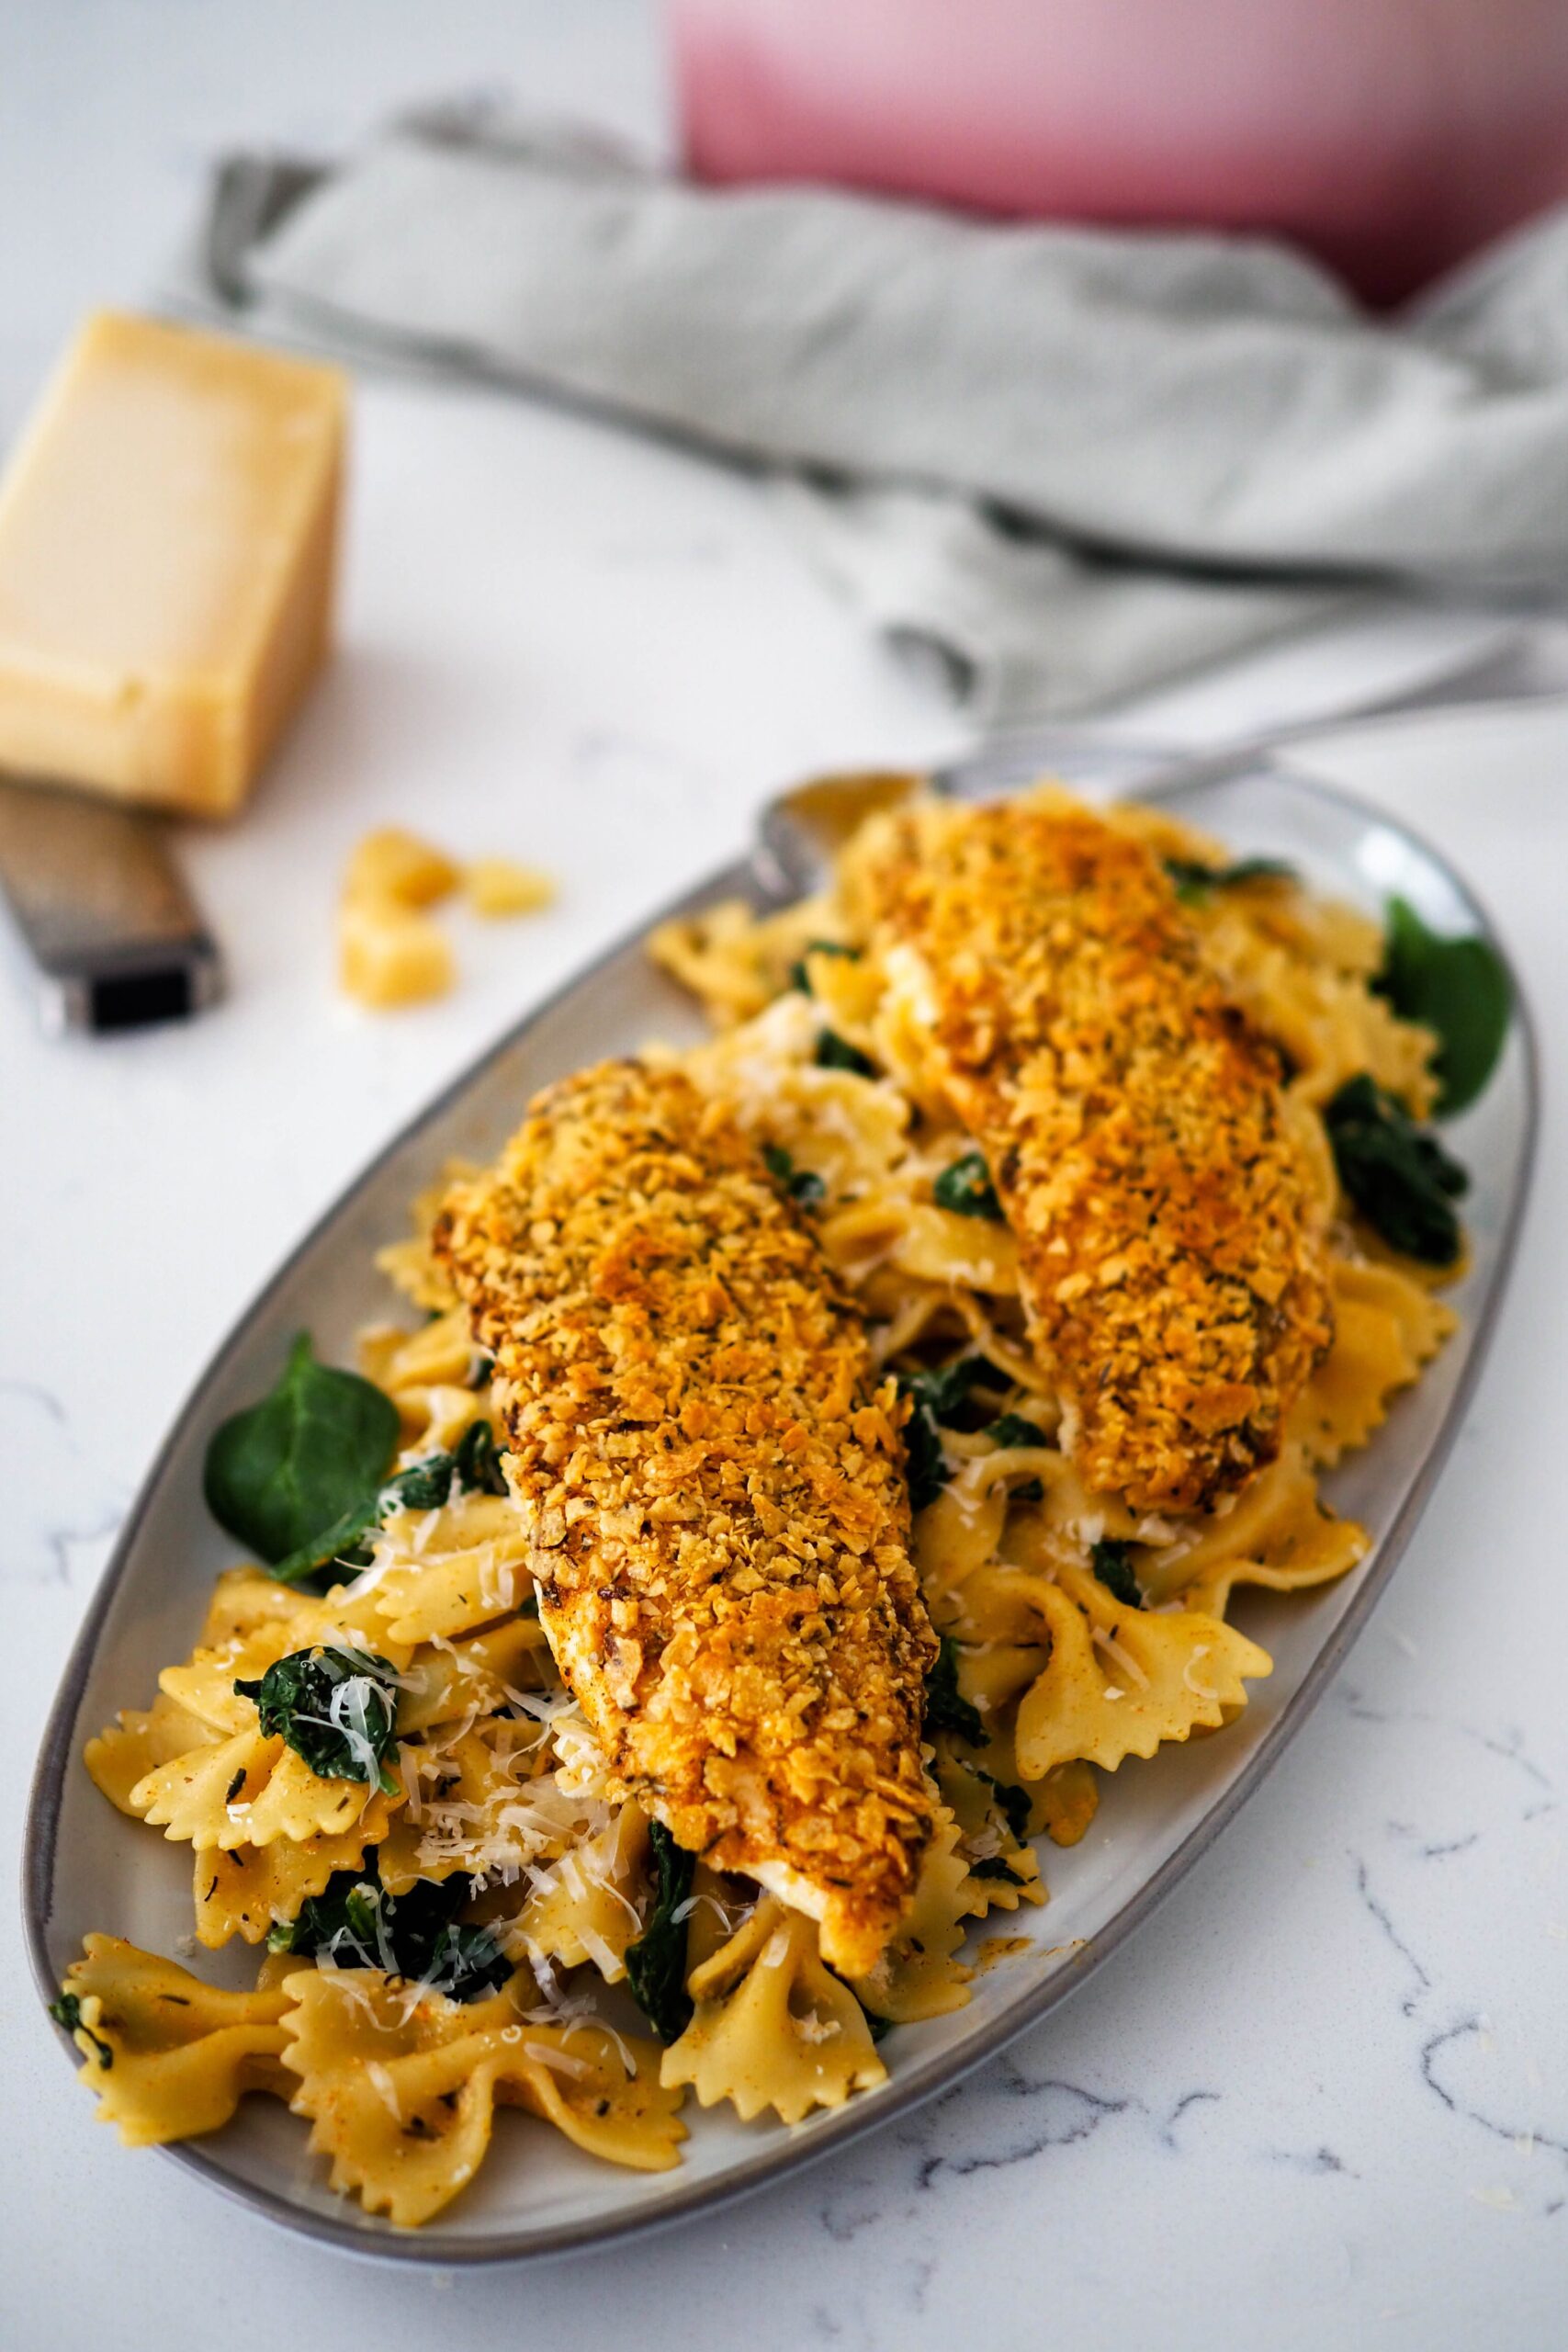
x,y
1170,1246
714,1482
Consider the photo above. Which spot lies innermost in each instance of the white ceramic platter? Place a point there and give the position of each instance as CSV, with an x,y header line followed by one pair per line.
x,y
87,1868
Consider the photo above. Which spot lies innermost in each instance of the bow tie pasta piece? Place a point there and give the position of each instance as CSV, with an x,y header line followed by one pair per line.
x,y
1120,1681
447,1681
918,1975
440,1355
583,1907
1280,1534
1386,1328
959,1531
411,1264
1063,1804
401,2095
247,1790
994,1818
773,2027
137,1742
168,2055
244,1600
438,1574
203,1686
247,1890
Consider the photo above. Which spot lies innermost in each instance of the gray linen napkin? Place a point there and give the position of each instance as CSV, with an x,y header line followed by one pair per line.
x,y
1073,463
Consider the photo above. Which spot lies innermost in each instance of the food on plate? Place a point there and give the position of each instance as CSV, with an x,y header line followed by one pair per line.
x,y
825,1451
707,1467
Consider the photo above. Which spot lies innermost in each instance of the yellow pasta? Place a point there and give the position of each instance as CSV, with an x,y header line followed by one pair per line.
x,y
401,2095
772,2028
247,1790
918,1974
583,1907
245,1891
169,2056
1386,1326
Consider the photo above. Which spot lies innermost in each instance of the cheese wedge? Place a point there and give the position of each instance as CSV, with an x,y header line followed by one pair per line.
x,y
168,536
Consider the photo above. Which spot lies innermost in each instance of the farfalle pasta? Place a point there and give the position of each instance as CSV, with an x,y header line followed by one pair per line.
x,y
398,1780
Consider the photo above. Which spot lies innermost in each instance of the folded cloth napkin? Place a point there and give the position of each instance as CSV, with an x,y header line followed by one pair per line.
x,y
1072,463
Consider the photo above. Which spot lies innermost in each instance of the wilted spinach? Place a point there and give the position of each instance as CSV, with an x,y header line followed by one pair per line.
x,y
946,1707
67,2011
1398,1177
799,976
800,1184
336,1708
834,1052
656,1963
356,1924
966,1189
1112,1564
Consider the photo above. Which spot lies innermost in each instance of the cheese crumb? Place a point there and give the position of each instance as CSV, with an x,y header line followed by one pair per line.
x,y
395,866
390,956
497,886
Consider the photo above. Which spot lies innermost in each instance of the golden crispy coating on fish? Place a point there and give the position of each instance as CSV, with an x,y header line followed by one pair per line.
x,y
1171,1253
714,1486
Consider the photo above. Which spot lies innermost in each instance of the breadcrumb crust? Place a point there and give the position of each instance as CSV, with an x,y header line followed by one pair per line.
x,y
1171,1253
714,1482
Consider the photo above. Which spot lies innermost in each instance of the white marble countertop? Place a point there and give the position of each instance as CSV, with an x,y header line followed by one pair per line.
x,y
1324,2094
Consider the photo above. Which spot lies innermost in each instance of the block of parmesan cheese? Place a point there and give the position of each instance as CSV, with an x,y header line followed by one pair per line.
x,y
167,534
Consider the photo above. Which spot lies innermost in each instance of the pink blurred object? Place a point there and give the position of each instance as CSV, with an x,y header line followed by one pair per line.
x,y
1390,137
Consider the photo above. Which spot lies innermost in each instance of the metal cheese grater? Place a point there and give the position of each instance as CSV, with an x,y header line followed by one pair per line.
x,y
116,939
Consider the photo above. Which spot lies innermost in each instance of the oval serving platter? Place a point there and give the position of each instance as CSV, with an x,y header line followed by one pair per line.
x,y
84,1869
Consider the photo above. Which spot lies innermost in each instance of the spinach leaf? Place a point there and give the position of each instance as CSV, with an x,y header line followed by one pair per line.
x,y
943,1396
656,1963
281,1471
336,1708
925,1464
1196,883
341,1920
993,1866
800,978
944,1392
1013,1430
799,1182
1398,1177
415,1935
946,1707
465,1963
1112,1564
879,2028
1012,1802
67,2011
1457,988
966,1189
474,1466
834,1052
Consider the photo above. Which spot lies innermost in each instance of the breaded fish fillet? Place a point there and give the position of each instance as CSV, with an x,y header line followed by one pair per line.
x,y
1170,1247
714,1486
